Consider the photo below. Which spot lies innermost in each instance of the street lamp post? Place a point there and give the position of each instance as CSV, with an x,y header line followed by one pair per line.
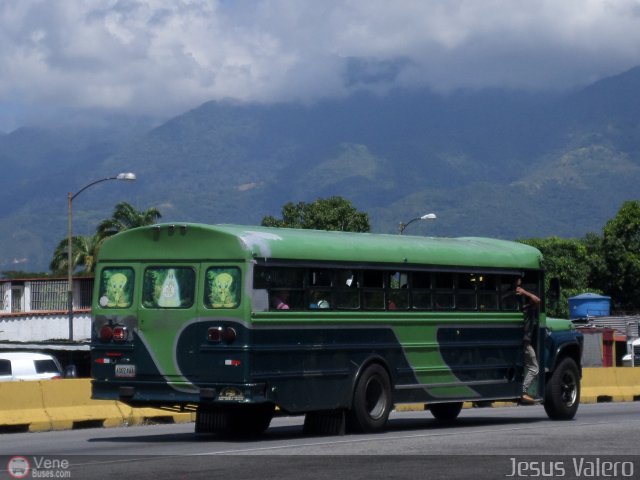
x,y
428,216
121,176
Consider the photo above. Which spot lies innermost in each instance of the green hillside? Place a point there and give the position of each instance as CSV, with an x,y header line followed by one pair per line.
x,y
495,163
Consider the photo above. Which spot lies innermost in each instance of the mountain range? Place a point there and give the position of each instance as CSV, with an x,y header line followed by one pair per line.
x,y
500,163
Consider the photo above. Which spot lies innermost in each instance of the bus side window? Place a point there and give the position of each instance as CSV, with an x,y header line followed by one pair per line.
x,y
444,291
508,298
319,289
347,294
398,292
487,291
466,291
421,290
373,289
284,284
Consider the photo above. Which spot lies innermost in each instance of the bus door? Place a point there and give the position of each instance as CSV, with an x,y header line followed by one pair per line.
x,y
532,282
168,302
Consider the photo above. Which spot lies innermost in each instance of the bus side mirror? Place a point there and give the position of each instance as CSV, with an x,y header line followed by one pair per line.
x,y
554,291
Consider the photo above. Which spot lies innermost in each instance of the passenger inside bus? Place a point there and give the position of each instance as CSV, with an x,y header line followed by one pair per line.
x,y
318,300
280,300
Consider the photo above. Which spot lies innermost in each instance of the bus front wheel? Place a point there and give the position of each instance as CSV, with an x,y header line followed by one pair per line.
x,y
372,401
562,395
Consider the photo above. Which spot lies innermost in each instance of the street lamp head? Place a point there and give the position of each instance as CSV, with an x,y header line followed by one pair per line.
x,y
428,216
126,176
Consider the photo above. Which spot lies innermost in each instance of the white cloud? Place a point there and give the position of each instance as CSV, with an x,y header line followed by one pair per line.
x,y
162,57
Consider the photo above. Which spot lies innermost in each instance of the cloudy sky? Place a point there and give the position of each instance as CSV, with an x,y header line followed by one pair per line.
x,y
162,57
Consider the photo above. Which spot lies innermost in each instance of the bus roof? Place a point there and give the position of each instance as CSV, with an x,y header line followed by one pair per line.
x,y
235,242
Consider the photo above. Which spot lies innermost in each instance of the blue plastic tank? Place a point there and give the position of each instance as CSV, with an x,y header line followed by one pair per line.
x,y
589,305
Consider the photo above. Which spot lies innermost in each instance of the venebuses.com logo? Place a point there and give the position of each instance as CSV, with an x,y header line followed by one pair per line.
x,y
18,467
38,467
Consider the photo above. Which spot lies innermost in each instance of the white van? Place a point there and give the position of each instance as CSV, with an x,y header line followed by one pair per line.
x,y
17,366
627,360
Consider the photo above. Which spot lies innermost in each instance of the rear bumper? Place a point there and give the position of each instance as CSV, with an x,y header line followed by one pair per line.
x,y
159,393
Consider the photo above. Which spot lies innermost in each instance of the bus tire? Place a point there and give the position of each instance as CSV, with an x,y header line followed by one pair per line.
x,y
562,392
234,419
210,419
372,401
330,422
445,412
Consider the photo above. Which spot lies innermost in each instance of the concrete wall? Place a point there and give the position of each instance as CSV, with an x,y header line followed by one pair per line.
x,y
31,327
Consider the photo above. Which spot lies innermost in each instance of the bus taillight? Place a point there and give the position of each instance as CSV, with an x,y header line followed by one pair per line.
x,y
218,334
119,333
214,334
229,335
106,333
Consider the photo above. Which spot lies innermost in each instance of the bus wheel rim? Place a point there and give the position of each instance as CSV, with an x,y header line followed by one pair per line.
x,y
375,398
569,391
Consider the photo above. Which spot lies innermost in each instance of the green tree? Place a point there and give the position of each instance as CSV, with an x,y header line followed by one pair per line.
x,y
569,261
85,249
126,217
333,213
84,254
595,258
619,271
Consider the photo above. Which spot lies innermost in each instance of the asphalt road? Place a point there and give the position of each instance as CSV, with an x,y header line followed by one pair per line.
x,y
509,442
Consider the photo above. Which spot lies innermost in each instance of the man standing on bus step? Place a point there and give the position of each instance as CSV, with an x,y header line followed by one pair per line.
x,y
530,305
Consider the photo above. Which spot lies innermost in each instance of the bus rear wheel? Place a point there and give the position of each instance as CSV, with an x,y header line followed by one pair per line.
x,y
562,395
234,419
330,422
372,400
445,412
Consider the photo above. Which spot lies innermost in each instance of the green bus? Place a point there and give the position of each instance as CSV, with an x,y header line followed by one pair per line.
x,y
235,322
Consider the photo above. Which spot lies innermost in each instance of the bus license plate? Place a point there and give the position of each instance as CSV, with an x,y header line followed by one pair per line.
x,y
125,370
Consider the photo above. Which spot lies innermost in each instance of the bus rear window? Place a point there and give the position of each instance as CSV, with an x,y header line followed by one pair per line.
x,y
116,288
222,288
168,287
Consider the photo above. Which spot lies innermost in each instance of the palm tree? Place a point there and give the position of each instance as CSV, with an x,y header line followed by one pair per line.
x,y
85,249
84,254
126,217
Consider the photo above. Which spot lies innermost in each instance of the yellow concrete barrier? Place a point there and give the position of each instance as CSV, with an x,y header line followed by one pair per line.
x,y
628,381
68,402
598,384
21,404
65,404
615,384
